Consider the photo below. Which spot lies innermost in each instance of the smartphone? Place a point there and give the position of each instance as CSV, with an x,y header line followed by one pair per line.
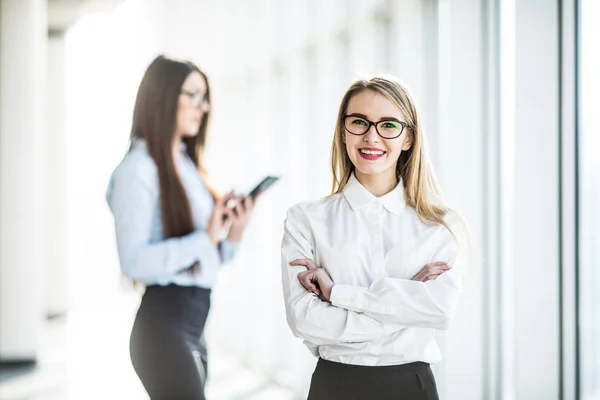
x,y
262,186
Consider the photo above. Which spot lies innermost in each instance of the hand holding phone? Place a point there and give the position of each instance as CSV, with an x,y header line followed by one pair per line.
x,y
239,216
258,189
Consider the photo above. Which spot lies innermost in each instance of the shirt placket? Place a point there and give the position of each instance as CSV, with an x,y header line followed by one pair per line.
x,y
378,251
377,265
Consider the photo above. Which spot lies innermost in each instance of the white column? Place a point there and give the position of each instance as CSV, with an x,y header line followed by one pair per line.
x,y
56,287
23,37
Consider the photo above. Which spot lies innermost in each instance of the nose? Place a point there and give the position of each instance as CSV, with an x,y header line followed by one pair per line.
x,y
205,107
371,136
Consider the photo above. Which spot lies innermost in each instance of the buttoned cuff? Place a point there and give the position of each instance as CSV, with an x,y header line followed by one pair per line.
x,y
208,256
227,250
347,296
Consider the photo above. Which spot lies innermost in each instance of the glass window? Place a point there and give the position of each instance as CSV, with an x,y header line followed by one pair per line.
x,y
589,200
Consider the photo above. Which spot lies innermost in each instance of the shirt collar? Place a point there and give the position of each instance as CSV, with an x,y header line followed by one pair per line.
x,y
358,197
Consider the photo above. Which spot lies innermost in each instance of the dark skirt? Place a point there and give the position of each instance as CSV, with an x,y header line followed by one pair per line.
x,y
167,344
333,381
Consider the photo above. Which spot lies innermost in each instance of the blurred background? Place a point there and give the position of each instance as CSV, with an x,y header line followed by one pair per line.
x,y
509,91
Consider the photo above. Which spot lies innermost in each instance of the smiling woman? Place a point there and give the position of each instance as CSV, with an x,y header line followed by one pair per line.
x,y
370,272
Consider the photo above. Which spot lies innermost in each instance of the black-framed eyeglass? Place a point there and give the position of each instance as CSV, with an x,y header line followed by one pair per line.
x,y
196,98
389,128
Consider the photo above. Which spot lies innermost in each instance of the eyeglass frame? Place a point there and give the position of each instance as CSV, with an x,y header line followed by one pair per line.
x,y
371,123
191,95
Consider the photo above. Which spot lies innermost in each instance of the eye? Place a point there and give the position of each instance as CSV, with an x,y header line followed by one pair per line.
x,y
389,125
359,122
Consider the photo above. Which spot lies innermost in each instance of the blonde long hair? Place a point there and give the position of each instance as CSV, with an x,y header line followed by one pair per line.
x,y
421,190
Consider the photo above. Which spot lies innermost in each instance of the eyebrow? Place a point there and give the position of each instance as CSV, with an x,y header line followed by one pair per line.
x,y
382,119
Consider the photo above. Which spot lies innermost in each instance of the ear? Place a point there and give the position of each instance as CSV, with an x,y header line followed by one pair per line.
x,y
408,142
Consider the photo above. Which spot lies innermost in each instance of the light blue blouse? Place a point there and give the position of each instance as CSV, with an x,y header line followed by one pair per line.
x,y
133,198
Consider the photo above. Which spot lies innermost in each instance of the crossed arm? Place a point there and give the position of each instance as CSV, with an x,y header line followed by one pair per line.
x,y
334,313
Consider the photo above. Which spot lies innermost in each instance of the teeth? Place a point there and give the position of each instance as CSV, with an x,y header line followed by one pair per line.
x,y
372,152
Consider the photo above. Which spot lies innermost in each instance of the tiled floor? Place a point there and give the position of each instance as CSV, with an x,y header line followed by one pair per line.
x,y
85,356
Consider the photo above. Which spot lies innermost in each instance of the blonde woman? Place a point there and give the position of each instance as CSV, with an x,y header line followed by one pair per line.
x,y
372,271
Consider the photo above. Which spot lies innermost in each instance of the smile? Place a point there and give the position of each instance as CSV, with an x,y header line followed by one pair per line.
x,y
371,154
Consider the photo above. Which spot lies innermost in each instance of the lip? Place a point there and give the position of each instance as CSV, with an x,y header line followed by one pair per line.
x,y
371,157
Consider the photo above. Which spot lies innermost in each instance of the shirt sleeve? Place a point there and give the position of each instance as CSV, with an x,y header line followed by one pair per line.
x,y
133,197
416,304
309,318
228,250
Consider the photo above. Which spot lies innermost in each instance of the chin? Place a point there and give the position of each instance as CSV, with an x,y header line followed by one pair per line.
x,y
370,171
373,169
367,168
191,133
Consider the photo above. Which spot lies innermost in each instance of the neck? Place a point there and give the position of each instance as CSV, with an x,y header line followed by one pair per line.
x,y
379,184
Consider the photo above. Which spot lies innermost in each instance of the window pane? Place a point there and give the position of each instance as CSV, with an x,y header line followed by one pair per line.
x,y
589,200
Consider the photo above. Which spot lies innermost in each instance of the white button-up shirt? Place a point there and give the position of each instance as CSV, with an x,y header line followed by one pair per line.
x,y
371,247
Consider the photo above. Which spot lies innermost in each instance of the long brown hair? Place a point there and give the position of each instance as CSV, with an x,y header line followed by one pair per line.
x,y
155,121
421,190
